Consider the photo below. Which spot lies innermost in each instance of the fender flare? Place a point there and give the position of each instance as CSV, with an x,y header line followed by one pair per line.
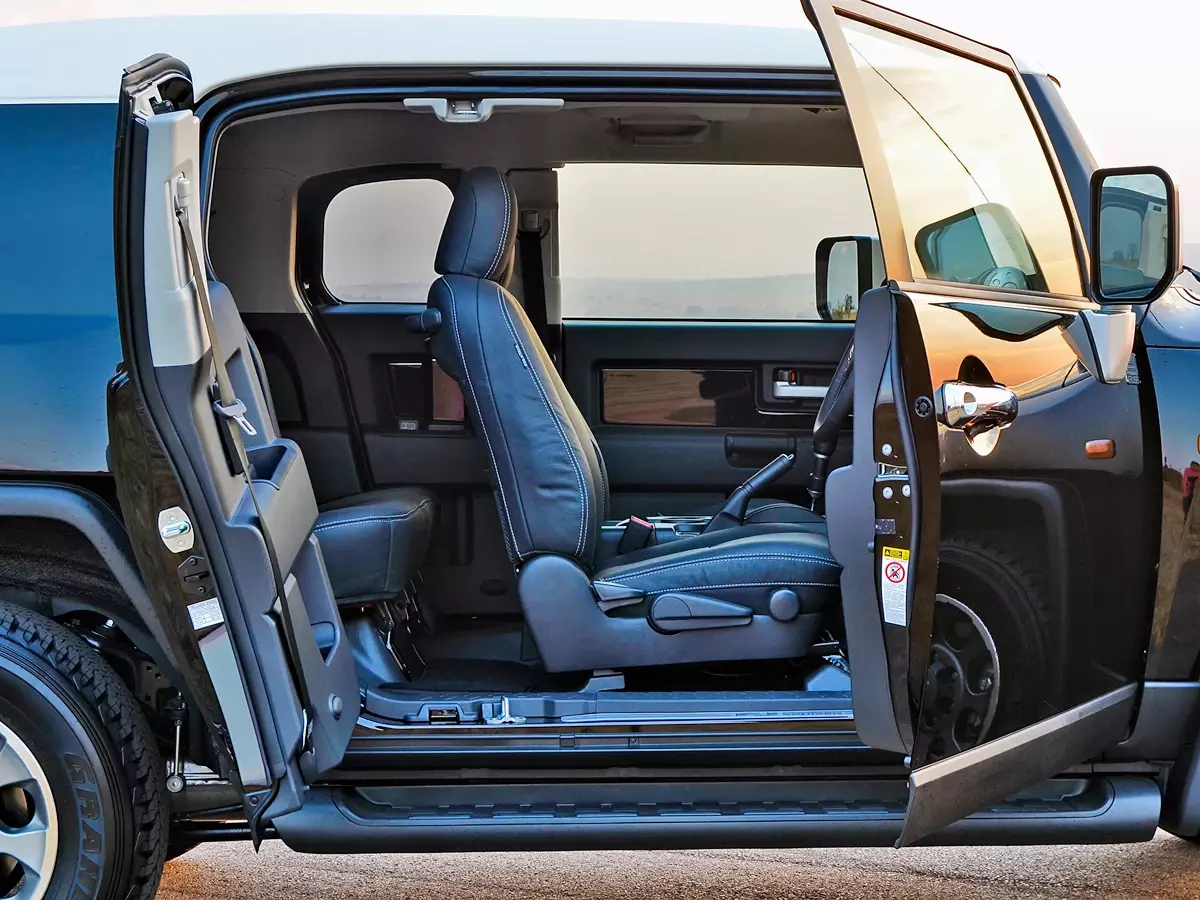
x,y
95,520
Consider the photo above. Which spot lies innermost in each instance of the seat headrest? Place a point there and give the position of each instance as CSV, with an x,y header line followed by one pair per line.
x,y
481,230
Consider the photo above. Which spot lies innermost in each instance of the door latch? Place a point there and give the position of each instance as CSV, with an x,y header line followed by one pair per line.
x,y
175,529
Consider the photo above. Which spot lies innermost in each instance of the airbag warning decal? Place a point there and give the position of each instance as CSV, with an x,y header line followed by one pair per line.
x,y
894,585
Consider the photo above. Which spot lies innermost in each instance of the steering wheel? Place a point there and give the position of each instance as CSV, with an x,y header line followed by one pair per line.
x,y
830,422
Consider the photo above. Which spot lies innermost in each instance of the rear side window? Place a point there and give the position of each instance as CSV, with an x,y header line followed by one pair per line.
x,y
978,199
380,240
683,241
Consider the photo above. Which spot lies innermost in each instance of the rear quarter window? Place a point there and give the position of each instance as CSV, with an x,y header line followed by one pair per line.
x,y
380,239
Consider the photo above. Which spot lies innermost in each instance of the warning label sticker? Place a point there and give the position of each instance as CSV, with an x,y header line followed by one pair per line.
x,y
894,584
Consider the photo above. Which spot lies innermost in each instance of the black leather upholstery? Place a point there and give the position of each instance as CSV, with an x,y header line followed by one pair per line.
x,y
375,542
547,472
741,565
552,491
480,235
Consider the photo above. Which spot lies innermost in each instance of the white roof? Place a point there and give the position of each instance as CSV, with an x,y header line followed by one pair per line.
x,y
81,61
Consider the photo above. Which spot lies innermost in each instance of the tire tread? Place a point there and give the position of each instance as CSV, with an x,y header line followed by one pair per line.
x,y
124,723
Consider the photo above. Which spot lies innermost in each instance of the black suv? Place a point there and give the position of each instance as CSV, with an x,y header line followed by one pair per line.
x,y
789,445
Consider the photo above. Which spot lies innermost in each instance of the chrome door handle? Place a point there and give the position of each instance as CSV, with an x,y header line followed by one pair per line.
x,y
783,390
978,411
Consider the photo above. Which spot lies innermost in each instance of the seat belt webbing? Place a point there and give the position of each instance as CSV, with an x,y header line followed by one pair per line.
x,y
533,279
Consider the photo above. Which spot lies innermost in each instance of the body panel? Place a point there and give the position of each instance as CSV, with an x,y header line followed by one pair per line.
x,y
1103,613
56,285
1172,649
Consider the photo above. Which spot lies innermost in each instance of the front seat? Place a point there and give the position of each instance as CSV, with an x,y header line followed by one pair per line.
x,y
751,592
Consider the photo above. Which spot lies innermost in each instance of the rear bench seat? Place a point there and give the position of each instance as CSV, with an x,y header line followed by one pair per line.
x,y
374,542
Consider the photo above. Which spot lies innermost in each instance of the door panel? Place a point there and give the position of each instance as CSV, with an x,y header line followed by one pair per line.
x,y
992,302
261,579
685,411
884,521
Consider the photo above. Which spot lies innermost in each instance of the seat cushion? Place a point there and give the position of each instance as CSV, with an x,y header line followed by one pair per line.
x,y
375,542
742,565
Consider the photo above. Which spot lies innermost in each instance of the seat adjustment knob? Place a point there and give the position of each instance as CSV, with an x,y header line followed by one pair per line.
x,y
784,605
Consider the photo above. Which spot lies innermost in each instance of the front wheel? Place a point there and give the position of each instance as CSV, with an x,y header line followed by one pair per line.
x,y
82,796
999,635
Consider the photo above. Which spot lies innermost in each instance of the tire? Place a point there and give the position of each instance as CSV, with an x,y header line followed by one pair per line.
x,y
97,781
1009,596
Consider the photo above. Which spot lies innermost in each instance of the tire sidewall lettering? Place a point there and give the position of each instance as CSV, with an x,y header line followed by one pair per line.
x,y
57,733
91,828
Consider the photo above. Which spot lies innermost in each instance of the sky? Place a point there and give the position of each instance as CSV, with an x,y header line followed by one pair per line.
x,y
1128,70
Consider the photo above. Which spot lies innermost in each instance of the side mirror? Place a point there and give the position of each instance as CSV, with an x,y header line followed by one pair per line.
x,y
847,267
1134,243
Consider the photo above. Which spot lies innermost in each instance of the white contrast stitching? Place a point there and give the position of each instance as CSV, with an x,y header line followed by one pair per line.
x,y
712,559
537,382
504,234
387,575
712,587
604,498
365,519
474,399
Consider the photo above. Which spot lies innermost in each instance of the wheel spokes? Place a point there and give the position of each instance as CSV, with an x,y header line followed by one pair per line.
x,y
13,769
962,683
27,846
28,821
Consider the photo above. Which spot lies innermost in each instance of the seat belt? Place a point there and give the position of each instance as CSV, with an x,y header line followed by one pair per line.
x,y
231,415
533,278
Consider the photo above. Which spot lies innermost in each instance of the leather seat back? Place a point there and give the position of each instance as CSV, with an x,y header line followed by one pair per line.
x,y
549,478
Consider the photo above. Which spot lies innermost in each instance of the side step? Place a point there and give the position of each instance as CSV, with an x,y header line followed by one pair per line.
x,y
700,815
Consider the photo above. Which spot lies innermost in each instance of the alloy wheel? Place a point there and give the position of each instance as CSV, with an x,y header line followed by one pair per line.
x,y
28,822
962,683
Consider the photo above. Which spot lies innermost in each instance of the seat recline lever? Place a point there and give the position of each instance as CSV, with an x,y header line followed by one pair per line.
x,y
733,513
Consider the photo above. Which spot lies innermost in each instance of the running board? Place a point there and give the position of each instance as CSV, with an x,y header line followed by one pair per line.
x,y
700,815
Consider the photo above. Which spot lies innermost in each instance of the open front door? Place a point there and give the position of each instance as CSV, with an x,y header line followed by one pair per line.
x,y
220,507
978,238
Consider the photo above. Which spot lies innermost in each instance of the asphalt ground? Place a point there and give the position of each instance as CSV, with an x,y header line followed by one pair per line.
x,y
1165,868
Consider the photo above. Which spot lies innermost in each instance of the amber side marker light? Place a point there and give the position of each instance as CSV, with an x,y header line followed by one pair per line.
x,y
1105,449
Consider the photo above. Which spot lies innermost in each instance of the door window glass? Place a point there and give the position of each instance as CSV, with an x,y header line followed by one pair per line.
x,y
381,238
685,241
978,200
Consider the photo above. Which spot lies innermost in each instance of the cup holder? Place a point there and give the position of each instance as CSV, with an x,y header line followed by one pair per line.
x,y
266,461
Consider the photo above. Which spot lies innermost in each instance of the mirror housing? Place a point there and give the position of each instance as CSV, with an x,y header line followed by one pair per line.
x,y
847,267
1134,241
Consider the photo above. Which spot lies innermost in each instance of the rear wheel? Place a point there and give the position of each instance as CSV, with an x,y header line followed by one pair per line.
x,y
82,795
